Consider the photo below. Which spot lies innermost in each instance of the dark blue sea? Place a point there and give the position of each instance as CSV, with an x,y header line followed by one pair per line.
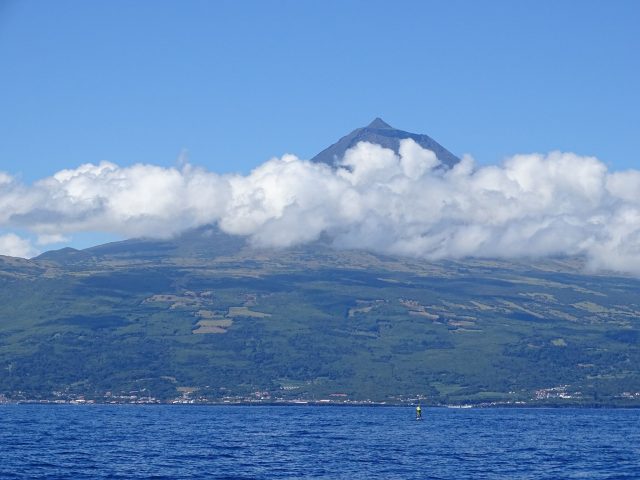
x,y
264,442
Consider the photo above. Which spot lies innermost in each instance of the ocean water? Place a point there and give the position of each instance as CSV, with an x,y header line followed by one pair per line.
x,y
265,442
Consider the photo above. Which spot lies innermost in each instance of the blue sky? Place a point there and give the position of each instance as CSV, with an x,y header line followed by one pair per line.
x,y
236,82
229,84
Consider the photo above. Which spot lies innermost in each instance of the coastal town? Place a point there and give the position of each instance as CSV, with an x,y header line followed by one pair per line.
x,y
553,396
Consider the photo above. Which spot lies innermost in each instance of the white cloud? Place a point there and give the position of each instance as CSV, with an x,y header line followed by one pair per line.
x,y
14,246
48,239
5,178
531,205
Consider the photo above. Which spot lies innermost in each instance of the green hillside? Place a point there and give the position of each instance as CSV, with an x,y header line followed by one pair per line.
x,y
206,317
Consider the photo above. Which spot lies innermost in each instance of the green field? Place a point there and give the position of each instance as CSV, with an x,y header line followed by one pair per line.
x,y
211,318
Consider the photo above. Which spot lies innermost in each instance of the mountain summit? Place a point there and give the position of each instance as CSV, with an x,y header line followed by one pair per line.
x,y
379,124
383,134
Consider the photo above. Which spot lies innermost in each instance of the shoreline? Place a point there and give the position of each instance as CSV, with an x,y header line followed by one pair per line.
x,y
523,406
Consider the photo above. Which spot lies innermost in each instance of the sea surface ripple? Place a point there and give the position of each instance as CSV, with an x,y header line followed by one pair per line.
x,y
273,442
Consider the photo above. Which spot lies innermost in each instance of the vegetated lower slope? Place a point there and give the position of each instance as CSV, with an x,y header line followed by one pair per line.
x,y
204,315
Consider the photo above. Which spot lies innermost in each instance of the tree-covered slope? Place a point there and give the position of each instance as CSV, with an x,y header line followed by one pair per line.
x,y
215,319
